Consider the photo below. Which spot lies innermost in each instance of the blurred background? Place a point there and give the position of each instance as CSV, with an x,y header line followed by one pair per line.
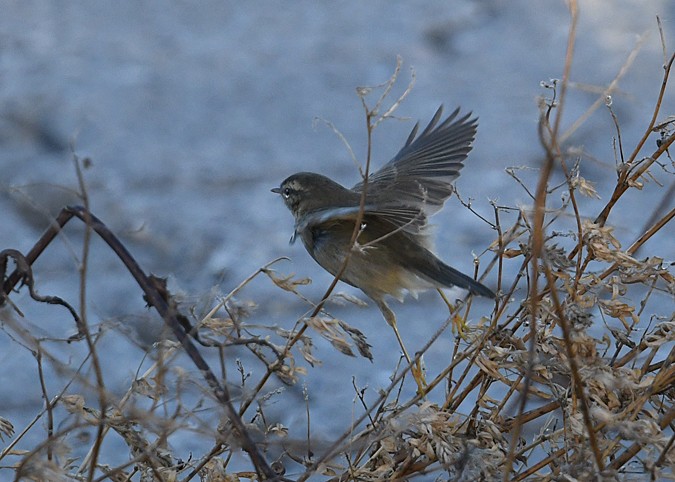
x,y
189,114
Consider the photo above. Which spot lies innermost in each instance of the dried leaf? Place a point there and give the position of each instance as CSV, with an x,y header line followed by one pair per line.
x,y
6,428
342,297
278,430
359,340
306,346
73,404
585,187
287,283
662,333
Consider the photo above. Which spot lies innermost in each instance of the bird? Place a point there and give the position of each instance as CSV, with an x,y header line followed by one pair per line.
x,y
391,254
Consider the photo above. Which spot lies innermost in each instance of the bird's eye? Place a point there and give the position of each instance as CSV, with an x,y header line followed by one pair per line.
x,y
286,192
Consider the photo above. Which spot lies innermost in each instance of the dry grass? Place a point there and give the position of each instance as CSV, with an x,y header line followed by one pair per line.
x,y
574,381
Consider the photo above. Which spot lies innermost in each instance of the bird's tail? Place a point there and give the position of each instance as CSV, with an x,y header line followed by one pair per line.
x,y
448,276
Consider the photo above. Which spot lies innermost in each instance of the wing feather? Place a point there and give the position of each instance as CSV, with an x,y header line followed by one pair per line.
x,y
416,182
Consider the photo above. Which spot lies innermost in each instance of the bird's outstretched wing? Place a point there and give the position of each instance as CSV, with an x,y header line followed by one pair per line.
x,y
417,181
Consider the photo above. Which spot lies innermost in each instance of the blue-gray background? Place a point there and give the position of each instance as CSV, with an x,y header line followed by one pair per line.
x,y
191,112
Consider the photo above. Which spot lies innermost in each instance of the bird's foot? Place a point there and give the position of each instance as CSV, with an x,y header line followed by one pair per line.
x,y
417,371
459,325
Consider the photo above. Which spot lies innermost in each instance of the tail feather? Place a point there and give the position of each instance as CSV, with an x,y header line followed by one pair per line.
x,y
448,276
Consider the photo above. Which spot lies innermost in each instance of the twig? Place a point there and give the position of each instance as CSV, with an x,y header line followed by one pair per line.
x,y
220,392
538,236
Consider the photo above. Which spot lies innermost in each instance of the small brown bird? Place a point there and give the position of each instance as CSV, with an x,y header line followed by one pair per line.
x,y
392,253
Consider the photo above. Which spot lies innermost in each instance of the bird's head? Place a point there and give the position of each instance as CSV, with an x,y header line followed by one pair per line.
x,y
306,192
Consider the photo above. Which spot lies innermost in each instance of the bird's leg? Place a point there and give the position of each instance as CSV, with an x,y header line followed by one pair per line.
x,y
415,368
458,323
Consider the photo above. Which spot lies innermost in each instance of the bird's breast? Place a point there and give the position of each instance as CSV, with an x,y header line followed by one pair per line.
x,y
372,267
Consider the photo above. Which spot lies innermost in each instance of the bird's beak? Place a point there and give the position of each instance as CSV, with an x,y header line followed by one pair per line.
x,y
276,190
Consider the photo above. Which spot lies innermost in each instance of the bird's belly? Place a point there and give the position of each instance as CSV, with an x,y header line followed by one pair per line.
x,y
369,268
